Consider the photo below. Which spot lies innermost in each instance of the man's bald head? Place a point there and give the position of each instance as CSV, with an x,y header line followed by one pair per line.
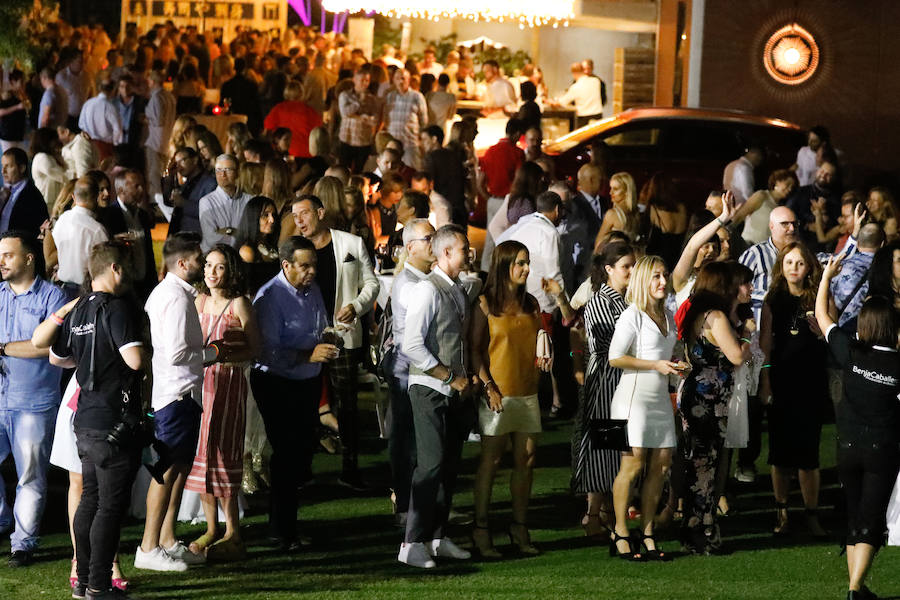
x,y
589,176
783,226
86,192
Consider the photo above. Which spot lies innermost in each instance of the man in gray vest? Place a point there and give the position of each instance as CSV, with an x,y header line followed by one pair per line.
x,y
417,236
435,342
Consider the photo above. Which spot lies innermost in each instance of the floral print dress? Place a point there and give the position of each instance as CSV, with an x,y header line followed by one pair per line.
x,y
704,414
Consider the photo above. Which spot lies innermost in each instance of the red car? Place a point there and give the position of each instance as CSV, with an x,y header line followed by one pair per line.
x,y
691,147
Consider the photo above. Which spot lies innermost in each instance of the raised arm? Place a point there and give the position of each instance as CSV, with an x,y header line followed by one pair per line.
x,y
823,296
685,265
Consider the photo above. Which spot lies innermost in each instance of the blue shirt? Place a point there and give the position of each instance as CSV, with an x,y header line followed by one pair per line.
x,y
30,384
853,271
14,191
125,111
289,320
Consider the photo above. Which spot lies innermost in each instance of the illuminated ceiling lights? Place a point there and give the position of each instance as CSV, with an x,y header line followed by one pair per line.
x,y
791,55
527,13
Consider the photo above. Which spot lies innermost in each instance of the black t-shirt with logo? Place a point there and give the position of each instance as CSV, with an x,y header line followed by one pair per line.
x,y
101,324
869,412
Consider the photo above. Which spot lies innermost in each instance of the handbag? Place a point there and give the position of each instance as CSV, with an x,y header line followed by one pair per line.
x,y
612,434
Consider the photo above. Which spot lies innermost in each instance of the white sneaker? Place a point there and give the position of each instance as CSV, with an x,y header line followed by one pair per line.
x,y
181,552
415,554
157,560
445,548
745,475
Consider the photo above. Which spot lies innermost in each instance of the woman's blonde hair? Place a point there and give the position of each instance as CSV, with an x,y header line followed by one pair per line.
x,y
630,189
293,90
638,292
319,142
277,182
330,191
250,178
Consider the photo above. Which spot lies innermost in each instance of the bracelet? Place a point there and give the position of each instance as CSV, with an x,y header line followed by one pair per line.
x,y
764,367
56,319
449,377
721,222
745,340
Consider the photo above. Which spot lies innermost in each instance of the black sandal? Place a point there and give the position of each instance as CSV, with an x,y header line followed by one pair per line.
x,y
630,556
655,554
781,527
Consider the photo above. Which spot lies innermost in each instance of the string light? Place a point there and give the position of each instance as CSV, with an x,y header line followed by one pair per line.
x,y
527,13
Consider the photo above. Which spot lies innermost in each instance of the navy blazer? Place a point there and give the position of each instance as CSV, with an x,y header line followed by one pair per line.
x,y
30,210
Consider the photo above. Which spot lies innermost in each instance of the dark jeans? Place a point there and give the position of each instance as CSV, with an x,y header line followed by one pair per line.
x,y
440,432
867,475
353,157
290,412
401,443
343,373
107,473
747,456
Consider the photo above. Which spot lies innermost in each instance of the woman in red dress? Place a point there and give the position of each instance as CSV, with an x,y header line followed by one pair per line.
x,y
225,313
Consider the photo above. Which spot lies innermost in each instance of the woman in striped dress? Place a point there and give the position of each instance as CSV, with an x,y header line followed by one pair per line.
x,y
595,469
225,313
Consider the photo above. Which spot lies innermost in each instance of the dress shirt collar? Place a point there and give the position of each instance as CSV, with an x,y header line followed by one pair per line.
x,y
441,273
237,192
746,161
80,210
17,187
416,272
541,216
301,293
4,287
178,281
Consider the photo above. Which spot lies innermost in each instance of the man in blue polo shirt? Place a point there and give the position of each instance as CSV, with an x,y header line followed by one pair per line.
x,y
29,390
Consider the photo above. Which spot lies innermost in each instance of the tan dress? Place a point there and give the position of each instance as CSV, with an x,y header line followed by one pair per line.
x,y
512,353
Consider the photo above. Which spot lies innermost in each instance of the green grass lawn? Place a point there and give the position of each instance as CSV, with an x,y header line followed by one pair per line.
x,y
355,549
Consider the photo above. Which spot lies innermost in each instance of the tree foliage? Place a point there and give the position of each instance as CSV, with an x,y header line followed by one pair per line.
x,y
22,26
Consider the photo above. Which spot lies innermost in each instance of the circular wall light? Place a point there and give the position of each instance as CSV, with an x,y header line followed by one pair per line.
x,y
791,55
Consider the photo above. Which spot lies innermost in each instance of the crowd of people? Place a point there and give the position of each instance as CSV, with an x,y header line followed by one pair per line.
x,y
668,326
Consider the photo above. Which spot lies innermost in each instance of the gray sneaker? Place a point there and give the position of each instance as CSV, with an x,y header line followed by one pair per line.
x,y
181,552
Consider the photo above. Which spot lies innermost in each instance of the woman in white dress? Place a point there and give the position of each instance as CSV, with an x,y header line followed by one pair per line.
x,y
642,347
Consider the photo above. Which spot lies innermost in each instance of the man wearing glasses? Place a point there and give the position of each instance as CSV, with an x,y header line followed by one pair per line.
x,y
417,236
222,209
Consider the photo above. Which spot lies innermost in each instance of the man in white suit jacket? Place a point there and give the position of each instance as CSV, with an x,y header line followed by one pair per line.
x,y
349,287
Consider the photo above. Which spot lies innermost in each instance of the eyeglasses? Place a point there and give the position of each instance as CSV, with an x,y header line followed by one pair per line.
x,y
225,169
427,239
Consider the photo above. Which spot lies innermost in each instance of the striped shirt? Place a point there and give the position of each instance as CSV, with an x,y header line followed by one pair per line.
x,y
760,258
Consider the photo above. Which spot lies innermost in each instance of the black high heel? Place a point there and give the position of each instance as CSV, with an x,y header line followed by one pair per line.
x,y
631,555
656,553
484,550
812,522
781,525
522,542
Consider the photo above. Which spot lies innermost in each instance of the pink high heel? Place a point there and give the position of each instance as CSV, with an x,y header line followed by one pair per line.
x,y
120,582
73,581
